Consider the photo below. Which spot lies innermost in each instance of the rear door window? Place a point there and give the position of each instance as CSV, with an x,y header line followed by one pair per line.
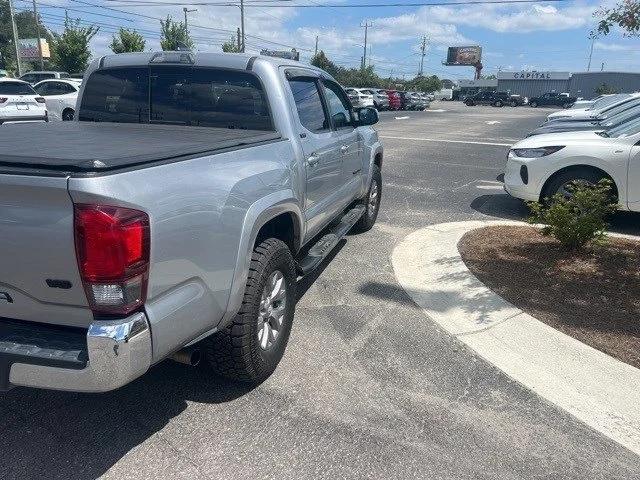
x,y
309,104
116,95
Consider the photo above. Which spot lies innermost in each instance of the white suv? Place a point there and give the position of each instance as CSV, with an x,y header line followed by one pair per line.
x,y
20,103
359,98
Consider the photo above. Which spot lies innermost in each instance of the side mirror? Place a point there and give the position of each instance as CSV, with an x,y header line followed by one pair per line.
x,y
367,116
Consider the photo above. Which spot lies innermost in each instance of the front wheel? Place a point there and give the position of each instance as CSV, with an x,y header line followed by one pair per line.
x,y
534,104
67,115
371,203
251,347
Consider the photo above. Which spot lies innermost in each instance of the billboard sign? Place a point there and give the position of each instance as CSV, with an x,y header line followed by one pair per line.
x,y
470,55
28,48
292,54
533,75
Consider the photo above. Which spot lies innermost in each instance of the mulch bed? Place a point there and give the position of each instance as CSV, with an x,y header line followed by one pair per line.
x,y
594,296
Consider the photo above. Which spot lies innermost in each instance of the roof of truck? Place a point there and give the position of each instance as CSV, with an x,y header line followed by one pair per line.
x,y
88,147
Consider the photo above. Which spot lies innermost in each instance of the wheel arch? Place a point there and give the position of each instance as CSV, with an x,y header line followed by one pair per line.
x,y
578,167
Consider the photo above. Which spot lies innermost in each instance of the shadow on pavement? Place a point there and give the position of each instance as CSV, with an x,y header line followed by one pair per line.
x,y
509,208
78,436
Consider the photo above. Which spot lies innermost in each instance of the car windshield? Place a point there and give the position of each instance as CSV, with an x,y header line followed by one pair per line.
x,y
623,107
622,117
606,101
16,88
625,130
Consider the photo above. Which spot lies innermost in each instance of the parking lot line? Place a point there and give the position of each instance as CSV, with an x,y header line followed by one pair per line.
x,y
448,141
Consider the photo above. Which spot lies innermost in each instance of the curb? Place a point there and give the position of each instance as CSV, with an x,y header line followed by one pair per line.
x,y
597,389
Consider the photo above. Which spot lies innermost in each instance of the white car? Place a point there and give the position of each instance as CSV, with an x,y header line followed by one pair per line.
x,y
20,103
359,98
591,110
61,97
542,165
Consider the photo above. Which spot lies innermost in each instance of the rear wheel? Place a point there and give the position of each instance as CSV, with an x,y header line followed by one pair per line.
x,y
498,103
534,104
251,347
371,203
566,105
67,115
514,104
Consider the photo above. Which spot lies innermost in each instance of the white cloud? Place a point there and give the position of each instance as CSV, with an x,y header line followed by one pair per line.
x,y
615,47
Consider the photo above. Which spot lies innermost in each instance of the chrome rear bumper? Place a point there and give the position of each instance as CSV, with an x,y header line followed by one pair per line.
x,y
118,351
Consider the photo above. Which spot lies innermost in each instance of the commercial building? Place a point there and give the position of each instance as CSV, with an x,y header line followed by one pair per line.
x,y
582,84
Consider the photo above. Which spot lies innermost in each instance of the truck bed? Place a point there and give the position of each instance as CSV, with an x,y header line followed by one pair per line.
x,y
64,148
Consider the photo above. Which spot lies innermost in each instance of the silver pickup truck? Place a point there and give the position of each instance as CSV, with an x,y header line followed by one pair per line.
x,y
174,217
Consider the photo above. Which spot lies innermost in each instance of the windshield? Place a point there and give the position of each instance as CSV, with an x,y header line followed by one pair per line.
x,y
16,88
622,117
626,129
623,107
606,101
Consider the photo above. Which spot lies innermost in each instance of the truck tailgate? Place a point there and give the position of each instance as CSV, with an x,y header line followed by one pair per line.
x,y
39,278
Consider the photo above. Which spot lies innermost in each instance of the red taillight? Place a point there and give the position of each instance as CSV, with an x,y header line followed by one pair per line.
x,y
112,245
40,100
3,99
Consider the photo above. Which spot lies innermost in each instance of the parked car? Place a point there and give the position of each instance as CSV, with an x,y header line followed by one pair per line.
x,y
4,73
359,98
394,100
551,99
35,77
20,103
173,222
60,97
583,103
380,98
540,166
605,121
615,105
597,105
517,100
497,99
424,100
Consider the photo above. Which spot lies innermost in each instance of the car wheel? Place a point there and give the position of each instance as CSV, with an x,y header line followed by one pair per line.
x,y
514,104
251,347
498,103
566,105
67,115
561,182
534,104
371,203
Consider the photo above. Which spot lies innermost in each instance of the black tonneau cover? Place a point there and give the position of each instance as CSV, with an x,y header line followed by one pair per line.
x,y
97,147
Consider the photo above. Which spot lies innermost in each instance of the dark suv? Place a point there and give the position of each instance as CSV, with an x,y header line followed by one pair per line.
x,y
497,99
552,99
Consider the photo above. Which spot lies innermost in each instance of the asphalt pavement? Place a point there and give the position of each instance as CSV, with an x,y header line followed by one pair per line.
x,y
368,387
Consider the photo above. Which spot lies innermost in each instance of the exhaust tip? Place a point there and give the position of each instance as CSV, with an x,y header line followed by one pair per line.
x,y
187,356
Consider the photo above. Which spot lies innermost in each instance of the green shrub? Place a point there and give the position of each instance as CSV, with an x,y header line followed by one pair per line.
x,y
579,217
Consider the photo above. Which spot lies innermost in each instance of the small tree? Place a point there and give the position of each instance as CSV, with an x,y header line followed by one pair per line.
x,y
625,14
578,216
231,46
127,41
70,50
605,89
321,60
174,35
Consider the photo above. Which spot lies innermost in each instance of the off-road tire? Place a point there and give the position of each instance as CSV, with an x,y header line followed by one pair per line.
x,y
235,352
370,215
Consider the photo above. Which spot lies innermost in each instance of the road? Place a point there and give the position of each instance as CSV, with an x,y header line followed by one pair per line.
x,y
368,388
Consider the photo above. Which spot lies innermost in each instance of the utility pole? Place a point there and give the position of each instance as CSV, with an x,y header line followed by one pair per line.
x,y
239,42
15,38
424,45
242,24
366,28
593,39
316,52
602,67
186,22
35,17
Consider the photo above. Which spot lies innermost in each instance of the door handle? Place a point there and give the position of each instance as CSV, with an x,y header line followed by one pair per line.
x,y
344,149
313,160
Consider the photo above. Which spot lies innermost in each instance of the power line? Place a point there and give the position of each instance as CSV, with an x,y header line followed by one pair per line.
x,y
146,3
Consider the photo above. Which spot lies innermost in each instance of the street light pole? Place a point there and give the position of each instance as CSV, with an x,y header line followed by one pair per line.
x,y
364,57
35,17
15,38
186,21
242,23
593,39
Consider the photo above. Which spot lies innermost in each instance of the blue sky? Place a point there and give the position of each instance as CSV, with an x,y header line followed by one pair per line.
x,y
540,36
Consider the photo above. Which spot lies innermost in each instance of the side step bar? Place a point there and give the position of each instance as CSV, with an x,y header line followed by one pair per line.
x,y
326,243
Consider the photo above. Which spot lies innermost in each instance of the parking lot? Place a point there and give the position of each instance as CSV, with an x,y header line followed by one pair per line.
x,y
368,387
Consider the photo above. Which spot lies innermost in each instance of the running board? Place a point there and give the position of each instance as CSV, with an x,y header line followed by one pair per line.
x,y
327,243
